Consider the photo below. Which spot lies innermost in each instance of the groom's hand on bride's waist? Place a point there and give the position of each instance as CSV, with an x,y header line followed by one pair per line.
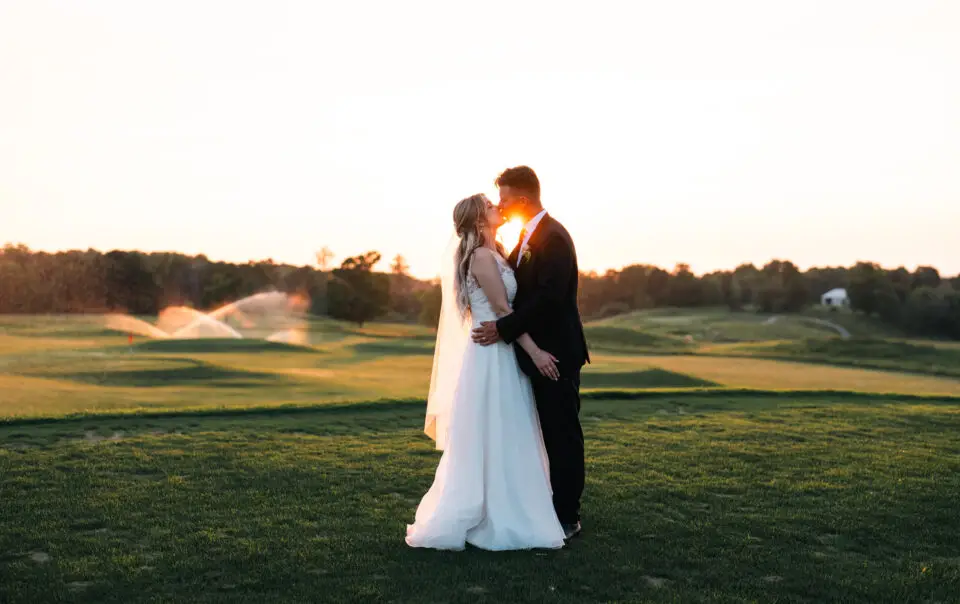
x,y
486,334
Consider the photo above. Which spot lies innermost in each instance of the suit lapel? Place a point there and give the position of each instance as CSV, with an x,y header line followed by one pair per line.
x,y
535,238
539,233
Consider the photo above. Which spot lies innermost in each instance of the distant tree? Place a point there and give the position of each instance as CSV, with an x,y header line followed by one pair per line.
x,y
399,265
733,292
925,276
405,292
430,301
590,295
902,282
796,291
767,298
309,284
712,289
865,283
324,256
363,262
871,292
356,293
684,289
783,288
222,286
888,302
630,288
130,284
952,326
749,281
658,282
933,312
15,279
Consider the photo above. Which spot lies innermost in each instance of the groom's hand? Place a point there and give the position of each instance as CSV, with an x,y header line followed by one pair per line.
x,y
486,334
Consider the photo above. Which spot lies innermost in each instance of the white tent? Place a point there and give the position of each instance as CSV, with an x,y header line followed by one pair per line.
x,y
835,297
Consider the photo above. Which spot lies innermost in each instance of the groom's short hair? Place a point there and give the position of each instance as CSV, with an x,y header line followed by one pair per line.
x,y
522,178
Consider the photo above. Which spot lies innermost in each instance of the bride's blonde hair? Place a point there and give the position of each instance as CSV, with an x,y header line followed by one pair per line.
x,y
469,220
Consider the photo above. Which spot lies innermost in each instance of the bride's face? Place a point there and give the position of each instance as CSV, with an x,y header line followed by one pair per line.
x,y
493,217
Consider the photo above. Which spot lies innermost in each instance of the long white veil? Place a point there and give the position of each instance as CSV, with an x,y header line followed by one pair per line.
x,y
453,336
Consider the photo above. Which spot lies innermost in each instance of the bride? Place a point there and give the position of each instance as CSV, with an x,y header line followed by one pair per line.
x,y
492,486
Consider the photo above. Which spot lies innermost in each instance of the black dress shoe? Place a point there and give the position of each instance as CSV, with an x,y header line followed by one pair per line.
x,y
570,530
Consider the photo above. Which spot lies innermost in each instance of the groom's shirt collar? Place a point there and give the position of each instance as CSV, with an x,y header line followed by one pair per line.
x,y
530,227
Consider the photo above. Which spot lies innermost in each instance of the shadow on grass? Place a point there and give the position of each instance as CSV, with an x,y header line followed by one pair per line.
x,y
179,372
398,347
219,345
871,348
649,378
71,333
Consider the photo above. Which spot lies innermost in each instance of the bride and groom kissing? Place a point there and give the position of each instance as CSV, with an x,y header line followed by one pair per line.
x,y
504,398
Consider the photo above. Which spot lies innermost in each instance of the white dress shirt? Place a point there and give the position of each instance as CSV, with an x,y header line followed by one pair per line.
x,y
528,230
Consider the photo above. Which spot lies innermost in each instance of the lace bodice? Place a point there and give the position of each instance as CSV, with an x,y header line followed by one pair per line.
x,y
480,308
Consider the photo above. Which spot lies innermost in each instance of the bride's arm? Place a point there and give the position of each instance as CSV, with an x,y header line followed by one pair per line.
x,y
487,273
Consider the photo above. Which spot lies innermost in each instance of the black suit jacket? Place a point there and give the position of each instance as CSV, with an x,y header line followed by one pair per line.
x,y
546,302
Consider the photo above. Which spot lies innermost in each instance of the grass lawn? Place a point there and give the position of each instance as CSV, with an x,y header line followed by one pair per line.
x,y
245,471
714,325
767,374
798,337
54,366
689,498
933,358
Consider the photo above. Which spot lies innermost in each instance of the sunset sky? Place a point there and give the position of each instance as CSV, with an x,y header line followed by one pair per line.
x,y
711,133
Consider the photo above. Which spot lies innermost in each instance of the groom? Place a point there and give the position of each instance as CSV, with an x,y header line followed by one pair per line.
x,y
545,307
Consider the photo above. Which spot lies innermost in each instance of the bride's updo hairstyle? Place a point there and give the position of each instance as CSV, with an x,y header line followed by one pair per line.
x,y
469,220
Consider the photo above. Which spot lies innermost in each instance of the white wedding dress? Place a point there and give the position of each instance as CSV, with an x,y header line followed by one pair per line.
x,y
492,487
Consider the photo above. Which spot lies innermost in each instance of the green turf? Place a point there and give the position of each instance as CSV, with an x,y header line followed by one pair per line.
x,y
714,325
859,325
609,338
689,499
893,355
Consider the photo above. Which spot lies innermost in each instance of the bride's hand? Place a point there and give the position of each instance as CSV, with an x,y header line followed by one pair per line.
x,y
546,364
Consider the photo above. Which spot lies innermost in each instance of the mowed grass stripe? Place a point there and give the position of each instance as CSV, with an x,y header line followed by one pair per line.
x,y
783,375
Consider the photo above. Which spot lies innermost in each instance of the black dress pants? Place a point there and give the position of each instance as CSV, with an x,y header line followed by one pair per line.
x,y
558,405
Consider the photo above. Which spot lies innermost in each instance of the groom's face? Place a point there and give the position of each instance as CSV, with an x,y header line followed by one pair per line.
x,y
513,203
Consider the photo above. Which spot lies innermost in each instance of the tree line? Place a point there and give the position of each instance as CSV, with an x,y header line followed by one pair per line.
x,y
920,302
138,283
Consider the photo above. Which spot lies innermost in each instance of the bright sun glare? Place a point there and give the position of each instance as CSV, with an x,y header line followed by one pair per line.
x,y
509,234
